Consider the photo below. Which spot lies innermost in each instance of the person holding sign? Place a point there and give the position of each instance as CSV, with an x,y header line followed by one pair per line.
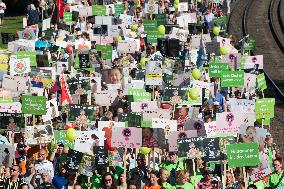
x,y
276,179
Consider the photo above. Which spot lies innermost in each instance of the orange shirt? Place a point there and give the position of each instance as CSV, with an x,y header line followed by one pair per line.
x,y
152,187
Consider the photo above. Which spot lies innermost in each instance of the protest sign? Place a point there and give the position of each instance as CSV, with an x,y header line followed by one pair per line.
x,y
12,121
150,25
34,105
101,156
232,78
221,21
127,137
99,10
264,108
229,122
67,17
7,155
106,51
86,140
87,165
153,73
60,136
119,9
19,66
240,155
175,135
30,55
73,160
261,82
138,95
159,113
211,149
161,19
144,106
152,36
191,148
39,134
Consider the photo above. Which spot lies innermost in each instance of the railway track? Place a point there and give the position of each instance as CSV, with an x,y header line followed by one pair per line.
x,y
261,20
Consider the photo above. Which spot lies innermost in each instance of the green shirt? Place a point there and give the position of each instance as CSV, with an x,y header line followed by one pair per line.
x,y
169,166
167,185
259,184
95,181
185,186
274,179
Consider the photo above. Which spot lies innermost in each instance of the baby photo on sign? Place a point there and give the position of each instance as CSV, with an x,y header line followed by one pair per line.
x,y
191,148
112,78
39,134
12,122
82,115
153,138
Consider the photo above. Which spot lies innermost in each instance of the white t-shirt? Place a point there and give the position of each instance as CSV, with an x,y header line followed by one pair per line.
x,y
2,7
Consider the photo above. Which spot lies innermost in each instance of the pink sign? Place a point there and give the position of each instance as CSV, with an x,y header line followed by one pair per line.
x,y
130,137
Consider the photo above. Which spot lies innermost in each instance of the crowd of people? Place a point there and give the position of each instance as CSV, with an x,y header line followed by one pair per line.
x,y
134,95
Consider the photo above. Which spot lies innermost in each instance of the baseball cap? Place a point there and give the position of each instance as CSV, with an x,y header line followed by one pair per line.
x,y
60,144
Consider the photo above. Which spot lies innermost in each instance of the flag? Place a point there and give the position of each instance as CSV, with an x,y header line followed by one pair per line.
x,y
65,95
60,8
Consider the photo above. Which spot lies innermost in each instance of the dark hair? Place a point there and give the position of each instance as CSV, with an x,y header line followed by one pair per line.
x,y
156,173
118,180
23,184
252,186
279,159
132,182
113,185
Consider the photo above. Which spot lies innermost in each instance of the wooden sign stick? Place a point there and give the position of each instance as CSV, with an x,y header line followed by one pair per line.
x,y
194,170
153,154
245,177
149,162
124,160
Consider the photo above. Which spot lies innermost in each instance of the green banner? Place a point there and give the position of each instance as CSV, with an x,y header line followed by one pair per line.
x,y
152,36
67,17
106,51
28,54
35,105
60,136
161,19
139,95
241,155
221,21
264,108
99,10
261,82
150,25
147,123
119,9
232,78
215,69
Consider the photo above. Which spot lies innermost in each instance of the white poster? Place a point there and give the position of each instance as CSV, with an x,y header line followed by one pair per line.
x,y
86,140
144,106
19,66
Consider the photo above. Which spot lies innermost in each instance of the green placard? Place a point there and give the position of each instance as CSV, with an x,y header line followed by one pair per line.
x,y
147,123
264,108
243,154
150,25
119,9
221,21
28,54
139,95
134,119
161,19
261,82
250,45
106,51
232,78
35,105
152,36
67,17
99,10
60,136
215,69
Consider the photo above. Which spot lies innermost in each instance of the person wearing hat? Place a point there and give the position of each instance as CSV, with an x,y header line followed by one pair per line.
x,y
56,157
